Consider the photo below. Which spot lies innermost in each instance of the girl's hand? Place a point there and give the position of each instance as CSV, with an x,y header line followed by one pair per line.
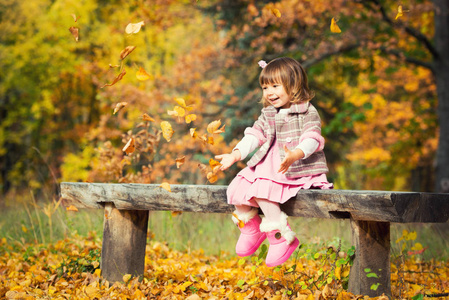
x,y
290,157
228,160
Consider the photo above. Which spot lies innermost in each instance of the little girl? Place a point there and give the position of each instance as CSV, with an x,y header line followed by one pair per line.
x,y
290,158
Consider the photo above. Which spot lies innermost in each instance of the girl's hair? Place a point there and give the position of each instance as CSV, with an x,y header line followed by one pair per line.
x,y
288,72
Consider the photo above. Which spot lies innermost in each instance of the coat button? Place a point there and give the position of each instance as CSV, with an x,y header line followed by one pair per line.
x,y
286,119
289,139
278,235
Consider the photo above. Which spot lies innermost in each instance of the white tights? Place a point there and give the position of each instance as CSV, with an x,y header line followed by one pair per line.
x,y
270,209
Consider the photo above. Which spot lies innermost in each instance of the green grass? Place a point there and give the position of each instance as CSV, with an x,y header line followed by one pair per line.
x,y
216,234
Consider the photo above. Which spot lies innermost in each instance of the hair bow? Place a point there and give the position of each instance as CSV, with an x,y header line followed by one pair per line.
x,y
262,63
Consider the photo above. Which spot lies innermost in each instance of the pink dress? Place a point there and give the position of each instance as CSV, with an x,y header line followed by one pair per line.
x,y
263,181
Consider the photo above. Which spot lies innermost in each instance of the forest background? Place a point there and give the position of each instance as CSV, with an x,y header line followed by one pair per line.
x,y
380,88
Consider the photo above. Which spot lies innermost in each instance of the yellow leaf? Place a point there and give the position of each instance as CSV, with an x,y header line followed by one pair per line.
x,y
276,12
125,52
190,118
75,18
142,75
166,186
119,107
213,126
338,273
146,117
213,164
95,264
334,26
401,12
126,277
180,111
24,229
212,177
167,130
134,27
129,147
193,132
411,236
71,208
183,104
180,161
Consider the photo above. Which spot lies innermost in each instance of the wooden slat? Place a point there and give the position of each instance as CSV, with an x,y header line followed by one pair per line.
x,y
380,206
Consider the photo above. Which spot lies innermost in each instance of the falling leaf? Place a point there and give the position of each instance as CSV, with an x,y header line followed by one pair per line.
x,y
334,26
178,112
146,117
183,104
190,118
176,213
125,52
212,177
241,224
180,161
75,32
129,147
134,27
119,106
75,18
213,127
117,79
71,208
213,163
401,12
167,130
126,277
275,12
142,75
193,132
202,167
166,186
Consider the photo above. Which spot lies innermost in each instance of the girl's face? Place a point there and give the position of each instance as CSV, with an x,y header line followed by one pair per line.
x,y
276,95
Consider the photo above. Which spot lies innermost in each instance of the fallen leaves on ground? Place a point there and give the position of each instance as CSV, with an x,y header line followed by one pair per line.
x,y
70,269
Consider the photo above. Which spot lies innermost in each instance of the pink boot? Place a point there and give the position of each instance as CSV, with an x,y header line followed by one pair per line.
x,y
282,240
250,237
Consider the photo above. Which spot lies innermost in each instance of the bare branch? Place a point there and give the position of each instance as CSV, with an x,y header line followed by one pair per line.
x,y
316,60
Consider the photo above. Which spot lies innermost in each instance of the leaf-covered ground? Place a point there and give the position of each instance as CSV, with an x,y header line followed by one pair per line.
x,y
70,269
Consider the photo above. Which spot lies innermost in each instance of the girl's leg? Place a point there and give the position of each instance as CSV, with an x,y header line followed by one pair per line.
x,y
280,236
270,209
241,209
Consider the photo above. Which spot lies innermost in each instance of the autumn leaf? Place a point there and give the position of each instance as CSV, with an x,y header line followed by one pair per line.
x,y
178,112
119,106
190,118
401,12
193,133
176,213
167,130
117,79
276,12
71,208
180,161
146,117
166,186
212,177
125,52
183,104
213,163
126,277
75,32
134,27
113,66
203,168
142,75
213,127
75,18
129,147
334,26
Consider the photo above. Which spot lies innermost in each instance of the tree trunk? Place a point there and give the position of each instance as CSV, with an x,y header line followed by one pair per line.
x,y
442,82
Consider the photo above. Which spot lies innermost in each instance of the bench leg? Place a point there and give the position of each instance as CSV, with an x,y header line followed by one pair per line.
x,y
124,242
372,255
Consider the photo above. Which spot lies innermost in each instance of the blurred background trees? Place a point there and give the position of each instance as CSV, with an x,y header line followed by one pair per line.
x,y
379,84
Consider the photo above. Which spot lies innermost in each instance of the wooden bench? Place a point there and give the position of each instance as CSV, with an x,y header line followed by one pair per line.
x,y
370,213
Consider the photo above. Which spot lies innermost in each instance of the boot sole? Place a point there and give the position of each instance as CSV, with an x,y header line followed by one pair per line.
x,y
286,256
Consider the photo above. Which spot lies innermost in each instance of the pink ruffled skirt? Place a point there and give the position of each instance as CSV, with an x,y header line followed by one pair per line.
x,y
264,182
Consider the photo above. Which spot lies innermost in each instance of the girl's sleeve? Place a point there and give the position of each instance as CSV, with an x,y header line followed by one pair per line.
x,y
312,129
247,145
308,146
258,130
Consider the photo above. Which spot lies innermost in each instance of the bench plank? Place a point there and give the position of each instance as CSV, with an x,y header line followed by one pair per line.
x,y
380,206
